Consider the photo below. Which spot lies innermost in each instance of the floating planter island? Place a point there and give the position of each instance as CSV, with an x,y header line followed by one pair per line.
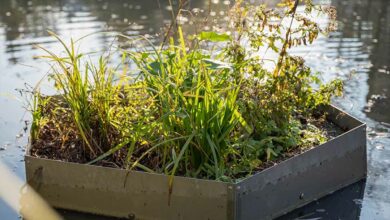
x,y
265,195
202,127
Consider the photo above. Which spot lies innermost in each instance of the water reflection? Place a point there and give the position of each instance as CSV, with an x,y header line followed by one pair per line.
x,y
370,24
359,52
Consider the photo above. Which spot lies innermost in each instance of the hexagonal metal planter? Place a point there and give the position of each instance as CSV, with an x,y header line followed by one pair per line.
x,y
265,195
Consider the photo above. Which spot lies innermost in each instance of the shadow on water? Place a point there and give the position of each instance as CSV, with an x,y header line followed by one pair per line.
x,y
359,52
343,204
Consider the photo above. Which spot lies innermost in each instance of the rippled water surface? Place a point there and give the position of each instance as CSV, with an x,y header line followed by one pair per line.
x,y
359,52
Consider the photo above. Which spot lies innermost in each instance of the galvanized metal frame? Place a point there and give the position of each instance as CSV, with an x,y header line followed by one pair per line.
x,y
265,195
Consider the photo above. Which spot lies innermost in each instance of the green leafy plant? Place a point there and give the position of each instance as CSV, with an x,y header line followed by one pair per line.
x,y
213,105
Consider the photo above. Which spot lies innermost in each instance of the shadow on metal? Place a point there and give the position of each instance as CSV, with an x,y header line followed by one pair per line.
x,y
72,215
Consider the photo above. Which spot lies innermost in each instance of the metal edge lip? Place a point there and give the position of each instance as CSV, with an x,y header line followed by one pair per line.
x,y
28,147
347,114
30,157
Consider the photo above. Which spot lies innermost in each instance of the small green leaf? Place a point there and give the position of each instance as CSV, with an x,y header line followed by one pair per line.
x,y
155,67
270,153
216,64
213,36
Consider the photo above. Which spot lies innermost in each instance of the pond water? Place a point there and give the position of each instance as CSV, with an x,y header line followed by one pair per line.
x,y
359,52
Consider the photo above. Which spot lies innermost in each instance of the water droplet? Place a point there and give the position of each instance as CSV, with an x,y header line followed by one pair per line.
x,y
182,19
226,2
19,135
136,27
114,16
382,71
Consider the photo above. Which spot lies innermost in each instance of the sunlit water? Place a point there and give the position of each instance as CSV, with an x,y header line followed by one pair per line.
x,y
359,53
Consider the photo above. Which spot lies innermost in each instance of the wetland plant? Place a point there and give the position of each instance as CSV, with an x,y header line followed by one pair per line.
x,y
211,105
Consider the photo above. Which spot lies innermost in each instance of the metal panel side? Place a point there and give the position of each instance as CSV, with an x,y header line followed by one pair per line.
x,y
304,178
119,193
